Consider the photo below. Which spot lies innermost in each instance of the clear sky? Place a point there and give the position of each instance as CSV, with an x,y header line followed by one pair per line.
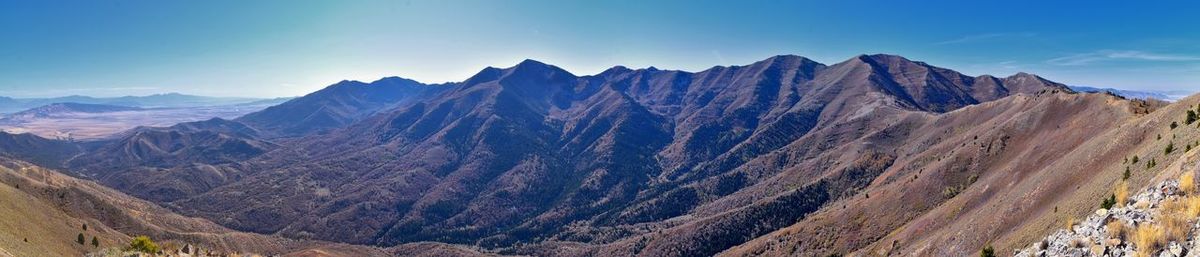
x,y
289,48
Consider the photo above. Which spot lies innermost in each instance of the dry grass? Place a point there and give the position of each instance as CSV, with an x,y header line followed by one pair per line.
x,y
1174,216
1116,229
1175,226
1193,207
1122,193
1173,205
1187,183
1070,224
1148,238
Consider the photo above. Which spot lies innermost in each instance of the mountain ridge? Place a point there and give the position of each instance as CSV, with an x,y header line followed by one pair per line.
x,y
532,159
455,137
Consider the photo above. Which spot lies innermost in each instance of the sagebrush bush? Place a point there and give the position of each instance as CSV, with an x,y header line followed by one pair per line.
x,y
1187,183
1122,193
143,244
1116,229
1148,238
1175,226
1193,207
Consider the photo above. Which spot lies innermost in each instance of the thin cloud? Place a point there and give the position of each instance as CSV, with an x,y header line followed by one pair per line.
x,y
1106,55
983,37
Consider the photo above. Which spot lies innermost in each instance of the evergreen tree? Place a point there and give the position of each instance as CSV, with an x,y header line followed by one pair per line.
x,y
987,251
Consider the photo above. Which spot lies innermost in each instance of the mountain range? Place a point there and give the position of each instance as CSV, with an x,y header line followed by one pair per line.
x,y
875,155
1172,95
11,105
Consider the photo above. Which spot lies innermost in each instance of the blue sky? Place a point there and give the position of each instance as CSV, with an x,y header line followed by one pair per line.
x,y
288,48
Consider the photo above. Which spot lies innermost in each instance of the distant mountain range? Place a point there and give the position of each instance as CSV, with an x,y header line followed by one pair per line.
x,y
11,105
514,154
875,155
1173,95
58,108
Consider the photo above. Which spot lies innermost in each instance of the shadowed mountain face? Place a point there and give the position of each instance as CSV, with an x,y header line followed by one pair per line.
x,y
37,149
533,152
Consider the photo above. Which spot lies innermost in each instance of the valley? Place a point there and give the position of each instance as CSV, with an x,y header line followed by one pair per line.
x,y
93,122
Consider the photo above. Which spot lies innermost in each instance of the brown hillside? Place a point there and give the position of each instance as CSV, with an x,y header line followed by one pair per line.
x,y
1057,157
49,209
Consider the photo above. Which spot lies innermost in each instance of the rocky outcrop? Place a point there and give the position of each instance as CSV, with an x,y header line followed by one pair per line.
x,y
1135,229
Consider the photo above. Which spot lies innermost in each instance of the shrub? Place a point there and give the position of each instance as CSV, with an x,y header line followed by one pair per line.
x,y
1116,229
79,239
1126,175
1174,125
1172,206
1191,117
1135,159
1193,207
1148,238
95,242
1122,193
1175,226
1108,202
1187,183
1170,148
143,244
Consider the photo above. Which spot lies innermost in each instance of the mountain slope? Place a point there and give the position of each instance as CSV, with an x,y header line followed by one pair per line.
x,y
782,156
980,160
532,151
171,162
35,149
49,210
335,106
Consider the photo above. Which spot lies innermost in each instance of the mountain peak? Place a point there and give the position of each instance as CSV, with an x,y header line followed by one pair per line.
x,y
614,70
531,67
529,63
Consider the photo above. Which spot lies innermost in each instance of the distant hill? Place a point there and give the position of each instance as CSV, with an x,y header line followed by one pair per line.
x,y
11,105
1173,95
60,108
43,212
